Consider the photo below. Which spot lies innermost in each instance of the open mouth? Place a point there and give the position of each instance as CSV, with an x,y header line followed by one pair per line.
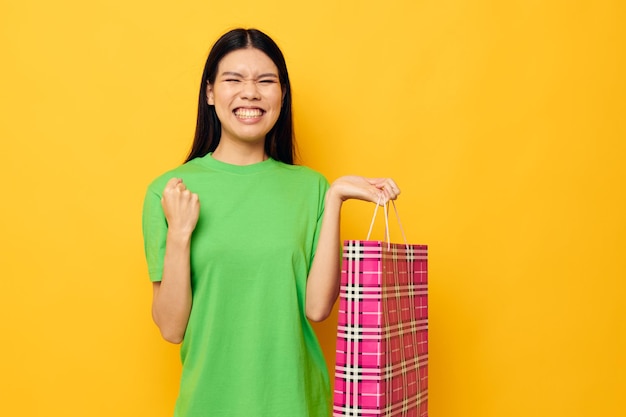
x,y
248,113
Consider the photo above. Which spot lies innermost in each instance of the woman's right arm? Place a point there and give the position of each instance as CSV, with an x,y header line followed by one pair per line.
x,y
171,303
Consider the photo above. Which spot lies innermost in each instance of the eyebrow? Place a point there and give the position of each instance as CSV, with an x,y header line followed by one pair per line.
x,y
236,74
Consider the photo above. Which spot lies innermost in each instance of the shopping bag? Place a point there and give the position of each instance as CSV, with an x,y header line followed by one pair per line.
x,y
382,333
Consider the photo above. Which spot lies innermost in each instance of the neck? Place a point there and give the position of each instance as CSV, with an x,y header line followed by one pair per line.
x,y
239,154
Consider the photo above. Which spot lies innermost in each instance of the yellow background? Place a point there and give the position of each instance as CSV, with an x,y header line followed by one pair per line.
x,y
502,121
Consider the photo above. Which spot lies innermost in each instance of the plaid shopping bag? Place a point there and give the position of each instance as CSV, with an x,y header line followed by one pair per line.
x,y
382,334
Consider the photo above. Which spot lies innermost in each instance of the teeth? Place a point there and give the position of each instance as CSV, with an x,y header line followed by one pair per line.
x,y
248,113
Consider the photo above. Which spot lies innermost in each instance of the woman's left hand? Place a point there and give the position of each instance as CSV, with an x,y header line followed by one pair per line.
x,y
322,286
376,190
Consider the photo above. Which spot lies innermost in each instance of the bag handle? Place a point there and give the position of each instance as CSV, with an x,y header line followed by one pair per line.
x,y
388,240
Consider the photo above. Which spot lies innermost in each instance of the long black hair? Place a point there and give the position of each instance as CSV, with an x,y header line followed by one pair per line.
x,y
279,141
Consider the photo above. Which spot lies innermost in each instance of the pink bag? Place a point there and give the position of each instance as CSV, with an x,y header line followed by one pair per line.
x,y
382,334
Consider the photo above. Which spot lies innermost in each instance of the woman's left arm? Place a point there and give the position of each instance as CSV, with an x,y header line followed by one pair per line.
x,y
323,281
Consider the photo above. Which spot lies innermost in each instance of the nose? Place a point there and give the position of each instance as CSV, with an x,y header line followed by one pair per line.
x,y
250,90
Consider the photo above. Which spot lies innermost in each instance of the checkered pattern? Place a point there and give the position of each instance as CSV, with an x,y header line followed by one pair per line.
x,y
382,335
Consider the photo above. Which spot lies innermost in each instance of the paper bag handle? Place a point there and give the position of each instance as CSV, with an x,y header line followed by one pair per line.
x,y
388,240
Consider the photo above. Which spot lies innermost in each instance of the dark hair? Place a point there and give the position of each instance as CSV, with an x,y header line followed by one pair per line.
x,y
279,141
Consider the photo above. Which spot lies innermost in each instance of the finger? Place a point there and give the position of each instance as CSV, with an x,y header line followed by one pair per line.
x,y
387,186
377,182
393,186
390,195
391,190
172,186
385,183
380,197
173,182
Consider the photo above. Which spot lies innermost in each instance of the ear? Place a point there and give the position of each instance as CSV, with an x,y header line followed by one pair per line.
x,y
209,95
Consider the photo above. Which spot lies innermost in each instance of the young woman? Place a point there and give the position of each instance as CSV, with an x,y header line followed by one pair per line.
x,y
243,246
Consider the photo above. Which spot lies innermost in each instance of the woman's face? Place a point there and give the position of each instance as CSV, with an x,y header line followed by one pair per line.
x,y
247,95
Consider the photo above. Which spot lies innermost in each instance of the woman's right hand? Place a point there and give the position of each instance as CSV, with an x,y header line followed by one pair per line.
x,y
181,207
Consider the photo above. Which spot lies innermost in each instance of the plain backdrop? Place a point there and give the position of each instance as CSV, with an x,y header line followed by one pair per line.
x,y
502,122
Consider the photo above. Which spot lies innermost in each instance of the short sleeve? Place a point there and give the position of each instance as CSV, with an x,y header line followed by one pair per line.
x,y
322,189
154,227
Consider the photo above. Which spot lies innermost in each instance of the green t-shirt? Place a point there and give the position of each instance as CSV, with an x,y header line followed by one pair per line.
x,y
249,350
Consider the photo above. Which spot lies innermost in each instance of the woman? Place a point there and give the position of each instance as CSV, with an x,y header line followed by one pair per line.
x,y
243,246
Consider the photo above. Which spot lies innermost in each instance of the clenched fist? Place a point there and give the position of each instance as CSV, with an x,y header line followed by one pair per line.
x,y
181,207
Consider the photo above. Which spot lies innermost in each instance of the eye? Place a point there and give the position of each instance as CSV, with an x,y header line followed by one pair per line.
x,y
268,81
231,80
